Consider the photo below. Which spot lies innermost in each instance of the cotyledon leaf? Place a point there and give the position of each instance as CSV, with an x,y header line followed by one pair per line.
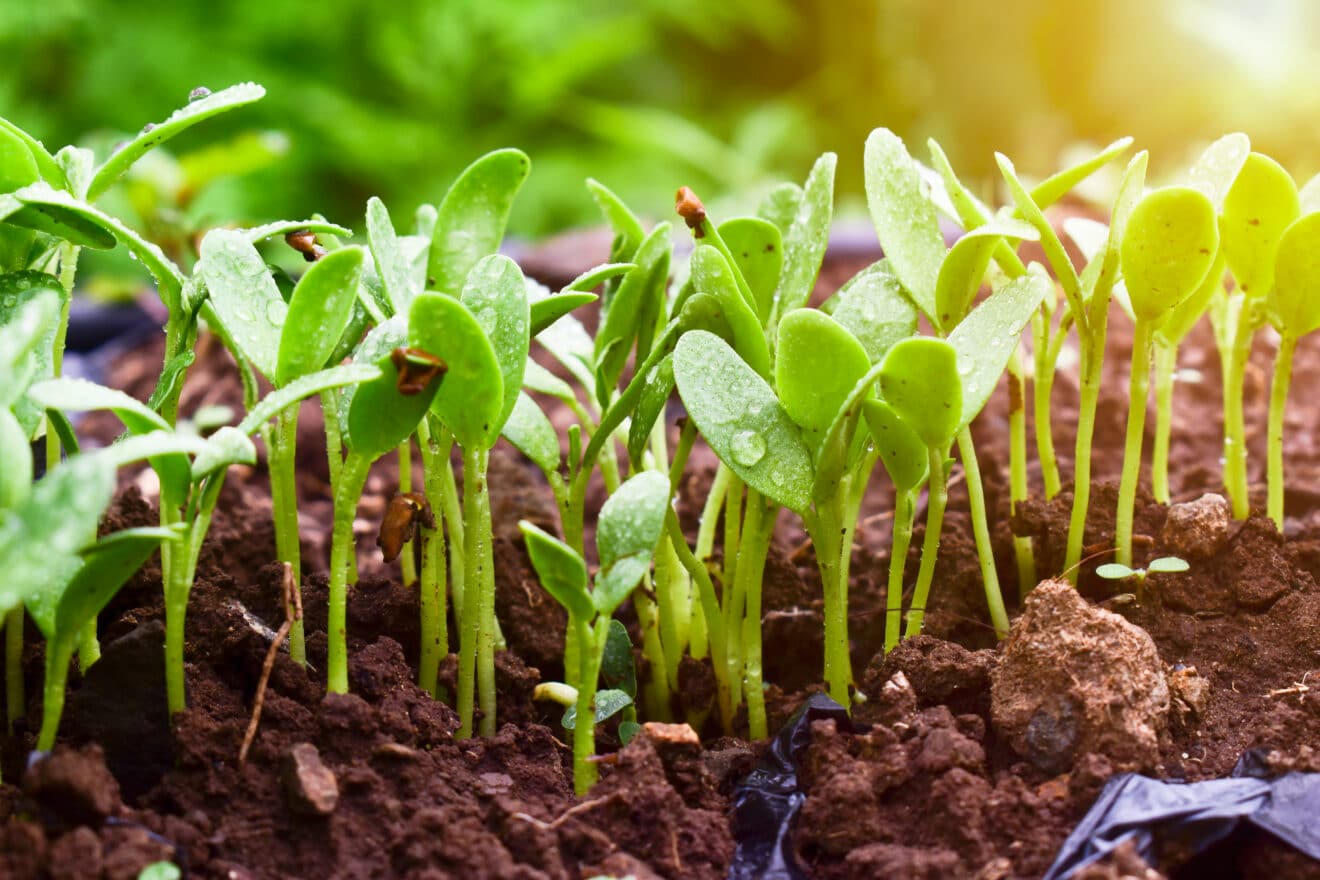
x,y
380,416
987,337
181,120
471,395
1259,206
964,266
23,327
712,275
318,314
48,168
1170,244
875,310
650,407
80,395
628,231
1294,300
904,219
258,234
496,295
391,265
470,221
780,206
901,450
560,570
758,250
817,365
919,379
545,312
807,236
529,430
228,445
245,298
742,420
608,703
18,167
627,531
621,322
1218,166
32,354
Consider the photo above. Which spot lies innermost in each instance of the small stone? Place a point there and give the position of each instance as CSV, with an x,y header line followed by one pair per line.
x,y
671,734
1198,528
1075,679
495,783
309,784
896,702
1189,693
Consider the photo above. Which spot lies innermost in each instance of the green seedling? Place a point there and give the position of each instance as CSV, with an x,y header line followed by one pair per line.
x,y
629,528
1116,571
1167,250
1294,309
1259,206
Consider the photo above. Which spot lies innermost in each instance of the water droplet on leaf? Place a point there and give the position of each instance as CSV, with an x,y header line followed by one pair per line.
x,y
198,93
748,448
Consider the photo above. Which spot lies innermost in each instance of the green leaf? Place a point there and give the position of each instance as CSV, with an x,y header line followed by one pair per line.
x,y
1260,205
608,703
545,312
566,339
640,292
560,570
1180,321
628,730
181,120
470,398
228,445
1055,253
47,166
379,416
905,221
1294,301
1169,246
40,539
18,167
496,295
758,252
964,267
1114,571
531,433
712,275
818,364
391,265
140,447
742,419
617,668
627,531
537,378
16,475
1218,166
245,298
807,236
593,278
901,450
160,871
1167,565
32,355
780,206
919,379
61,614
318,314
1059,184
874,309
628,231
80,395
281,228
471,219
986,338
659,385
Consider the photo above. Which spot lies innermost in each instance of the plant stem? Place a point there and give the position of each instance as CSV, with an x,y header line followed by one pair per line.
x,y
476,658
347,495
1091,362
334,449
1017,467
733,601
656,691
284,494
1166,361
1041,391
905,511
985,551
584,729
930,545
431,583
1278,403
710,606
1235,432
89,646
407,567
758,527
1139,390
673,593
15,695
183,573
52,699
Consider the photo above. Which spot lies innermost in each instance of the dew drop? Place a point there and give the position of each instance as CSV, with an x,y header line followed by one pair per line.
x,y
275,311
748,448
244,315
965,365
198,93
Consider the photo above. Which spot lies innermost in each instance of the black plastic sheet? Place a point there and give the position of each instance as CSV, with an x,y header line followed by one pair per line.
x,y
767,802
1194,816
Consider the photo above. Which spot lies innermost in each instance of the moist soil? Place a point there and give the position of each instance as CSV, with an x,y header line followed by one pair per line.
x,y
925,788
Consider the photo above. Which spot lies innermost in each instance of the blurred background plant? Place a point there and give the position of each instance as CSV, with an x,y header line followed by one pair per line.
x,y
393,99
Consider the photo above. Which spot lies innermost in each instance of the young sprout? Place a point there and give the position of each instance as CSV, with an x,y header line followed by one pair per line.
x,y
1168,248
1117,571
628,531
1259,206
1294,309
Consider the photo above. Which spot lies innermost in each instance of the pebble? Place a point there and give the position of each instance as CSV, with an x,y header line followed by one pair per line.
x,y
1198,528
309,784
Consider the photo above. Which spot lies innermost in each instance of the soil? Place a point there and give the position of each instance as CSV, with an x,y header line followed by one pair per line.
x,y
373,784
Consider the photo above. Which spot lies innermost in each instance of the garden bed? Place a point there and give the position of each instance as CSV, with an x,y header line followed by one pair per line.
x,y
930,791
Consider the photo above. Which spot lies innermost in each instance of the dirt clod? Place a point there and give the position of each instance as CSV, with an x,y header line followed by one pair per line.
x,y
74,785
309,784
1077,679
1198,529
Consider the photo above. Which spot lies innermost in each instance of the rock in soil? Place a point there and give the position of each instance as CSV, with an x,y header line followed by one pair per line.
x,y
74,786
309,784
1198,529
1075,679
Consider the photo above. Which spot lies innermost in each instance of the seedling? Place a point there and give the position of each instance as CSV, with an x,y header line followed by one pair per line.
x,y
1117,571
1168,248
629,528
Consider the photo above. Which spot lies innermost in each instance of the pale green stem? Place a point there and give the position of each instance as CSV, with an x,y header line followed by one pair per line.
x,y
1166,361
985,551
52,701
15,693
584,729
758,527
905,511
1017,464
176,600
1041,391
674,600
710,605
733,600
1139,390
334,450
407,566
89,646
656,691
1235,432
1091,363
431,584
1279,403
347,495
282,462
476,659
930,545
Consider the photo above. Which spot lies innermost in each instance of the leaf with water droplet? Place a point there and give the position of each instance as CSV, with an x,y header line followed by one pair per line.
x,y
1294,300
1002,316
807,236
904,220
471,395
639,294
873,307
1170,244
627,532
1260,205
1218,166
241,289
391,265
659,385
818,364
902,451
964,267
608,703
317,315
496,295
740,400
530,432
919,379
780,206
470,221
758,252
712,276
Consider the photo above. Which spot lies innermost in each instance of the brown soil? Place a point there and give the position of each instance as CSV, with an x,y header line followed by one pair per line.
x,y
928,789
